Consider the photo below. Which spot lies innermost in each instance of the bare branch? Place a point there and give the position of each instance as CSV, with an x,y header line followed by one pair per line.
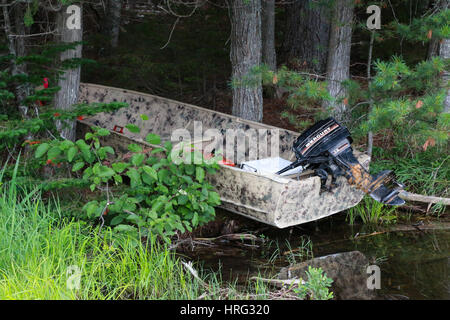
x,y
32,35
421,198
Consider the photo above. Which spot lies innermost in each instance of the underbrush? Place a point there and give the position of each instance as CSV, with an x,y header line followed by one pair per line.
x,y
46,256
426,173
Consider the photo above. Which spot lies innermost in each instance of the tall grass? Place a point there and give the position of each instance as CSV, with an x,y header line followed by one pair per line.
x,y
38,248
36,252
370,211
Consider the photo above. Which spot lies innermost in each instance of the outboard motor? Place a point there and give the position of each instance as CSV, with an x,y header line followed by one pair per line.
x,y
326,148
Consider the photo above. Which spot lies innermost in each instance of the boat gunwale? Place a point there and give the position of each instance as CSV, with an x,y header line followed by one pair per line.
x,y
238,119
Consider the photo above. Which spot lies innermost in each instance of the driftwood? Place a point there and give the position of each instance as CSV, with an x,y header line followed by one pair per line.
x,y
280,283
421,198
233,236
414,208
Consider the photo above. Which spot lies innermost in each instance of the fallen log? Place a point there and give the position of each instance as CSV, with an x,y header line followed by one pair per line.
x,y
233,236
421,198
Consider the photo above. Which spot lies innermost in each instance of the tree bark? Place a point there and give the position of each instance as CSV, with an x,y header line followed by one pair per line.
x,y
433,45
16,48
69,82
369,68
268,34
113,20
8,34
338,66
307,34
433,48
444,53
246,54
20,30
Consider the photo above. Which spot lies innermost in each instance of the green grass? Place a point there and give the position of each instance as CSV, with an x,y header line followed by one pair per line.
x,y
36,251
370,211
37,248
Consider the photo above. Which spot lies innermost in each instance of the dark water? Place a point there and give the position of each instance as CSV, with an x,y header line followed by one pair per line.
x,y
413,264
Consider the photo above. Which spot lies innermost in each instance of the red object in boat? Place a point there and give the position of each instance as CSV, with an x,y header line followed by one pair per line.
x,y
224,160
118,129
227,162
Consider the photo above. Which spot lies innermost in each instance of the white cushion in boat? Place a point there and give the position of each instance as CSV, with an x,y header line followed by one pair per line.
x,y
269,165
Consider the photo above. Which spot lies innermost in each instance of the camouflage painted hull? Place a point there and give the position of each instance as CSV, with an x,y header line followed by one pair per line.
x,y
268,198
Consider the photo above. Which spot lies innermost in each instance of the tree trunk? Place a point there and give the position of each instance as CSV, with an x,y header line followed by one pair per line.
x,y
246,54
338,66
69,82
433,48
433,45
113,19
307,34
8,34
16,48
20,30
444,53
369,68
268,34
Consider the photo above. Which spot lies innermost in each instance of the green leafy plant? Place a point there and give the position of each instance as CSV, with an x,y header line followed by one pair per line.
x,y
316,287
161,198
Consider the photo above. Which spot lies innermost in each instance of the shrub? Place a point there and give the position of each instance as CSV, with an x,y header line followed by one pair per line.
x,y
161,198
316,287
